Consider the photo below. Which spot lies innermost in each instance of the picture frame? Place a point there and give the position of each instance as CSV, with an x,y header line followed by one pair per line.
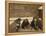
x,y
7,16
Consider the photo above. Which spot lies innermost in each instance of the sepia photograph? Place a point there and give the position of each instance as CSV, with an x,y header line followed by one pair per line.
x,y
25,17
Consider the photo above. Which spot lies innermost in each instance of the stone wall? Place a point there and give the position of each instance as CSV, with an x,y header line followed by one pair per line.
x,y
23,10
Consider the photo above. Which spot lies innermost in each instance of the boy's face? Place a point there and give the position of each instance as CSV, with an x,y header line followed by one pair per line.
x,y
35,19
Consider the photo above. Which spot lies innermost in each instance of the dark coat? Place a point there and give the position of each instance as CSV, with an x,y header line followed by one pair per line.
x,y
25,24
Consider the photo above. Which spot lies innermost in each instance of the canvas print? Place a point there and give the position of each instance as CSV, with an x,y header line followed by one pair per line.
x,y
25,17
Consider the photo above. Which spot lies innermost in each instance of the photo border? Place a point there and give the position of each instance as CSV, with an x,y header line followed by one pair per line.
x,y
7,17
